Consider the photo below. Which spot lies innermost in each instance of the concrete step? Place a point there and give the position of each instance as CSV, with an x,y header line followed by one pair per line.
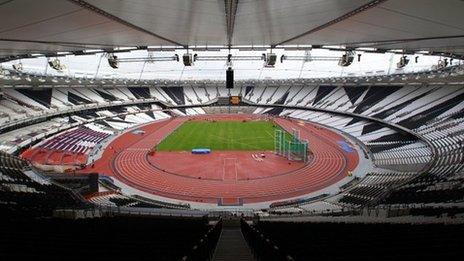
x,y
232,246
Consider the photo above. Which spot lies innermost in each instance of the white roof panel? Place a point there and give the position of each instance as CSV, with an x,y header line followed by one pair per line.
x,y
28,26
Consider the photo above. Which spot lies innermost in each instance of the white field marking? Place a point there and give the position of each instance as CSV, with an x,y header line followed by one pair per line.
x,y
226,139
256,157
236,170
234,141
224,168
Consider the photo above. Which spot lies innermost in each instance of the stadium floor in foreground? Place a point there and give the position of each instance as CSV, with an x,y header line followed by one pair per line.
x,y
128,159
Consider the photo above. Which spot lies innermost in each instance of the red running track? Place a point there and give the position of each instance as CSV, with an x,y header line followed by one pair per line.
x,y
127,158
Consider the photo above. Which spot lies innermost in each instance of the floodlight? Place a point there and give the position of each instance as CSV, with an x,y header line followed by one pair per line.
x,y
18,66
346,59
187,58
56,64
269,59
442,63
404,60
113,61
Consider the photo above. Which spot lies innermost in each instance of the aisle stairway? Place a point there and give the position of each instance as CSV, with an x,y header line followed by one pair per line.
x,y
232,246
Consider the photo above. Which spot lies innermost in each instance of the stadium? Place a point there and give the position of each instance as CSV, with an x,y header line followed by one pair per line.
x,y
231,130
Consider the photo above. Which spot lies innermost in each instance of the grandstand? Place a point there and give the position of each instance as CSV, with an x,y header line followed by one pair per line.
x,y
333,129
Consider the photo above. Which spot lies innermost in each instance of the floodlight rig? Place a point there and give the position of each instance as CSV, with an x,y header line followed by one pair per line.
x,y
229,58
3,73
149,59
307,57
404,60
269,59
56,64
18,66
113,61
188,59
442,63
346,59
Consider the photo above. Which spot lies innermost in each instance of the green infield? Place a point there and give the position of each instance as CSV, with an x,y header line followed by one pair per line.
x,y
221,135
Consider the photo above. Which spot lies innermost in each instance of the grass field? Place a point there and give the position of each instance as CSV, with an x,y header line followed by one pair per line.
x,y
221,135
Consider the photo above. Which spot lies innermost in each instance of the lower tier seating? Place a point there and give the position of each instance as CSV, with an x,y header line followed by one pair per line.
x,y
112,238
358,241
20,193
68,148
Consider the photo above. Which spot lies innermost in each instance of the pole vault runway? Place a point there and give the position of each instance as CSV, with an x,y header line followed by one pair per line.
x,y
225,176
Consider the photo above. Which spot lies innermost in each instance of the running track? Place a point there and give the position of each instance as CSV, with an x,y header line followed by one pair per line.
x,y
126,158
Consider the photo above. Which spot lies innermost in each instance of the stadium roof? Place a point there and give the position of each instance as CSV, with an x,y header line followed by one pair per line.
x,y
50,26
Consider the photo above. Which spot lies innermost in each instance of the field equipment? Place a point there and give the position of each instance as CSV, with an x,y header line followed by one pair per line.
x,y
292,148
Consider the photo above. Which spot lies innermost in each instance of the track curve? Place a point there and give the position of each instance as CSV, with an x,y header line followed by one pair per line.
x,y
126,159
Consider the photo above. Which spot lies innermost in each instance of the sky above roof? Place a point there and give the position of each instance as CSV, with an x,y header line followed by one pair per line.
x,y
96,66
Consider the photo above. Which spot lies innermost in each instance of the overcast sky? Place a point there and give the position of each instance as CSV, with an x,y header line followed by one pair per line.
x,y
86,66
